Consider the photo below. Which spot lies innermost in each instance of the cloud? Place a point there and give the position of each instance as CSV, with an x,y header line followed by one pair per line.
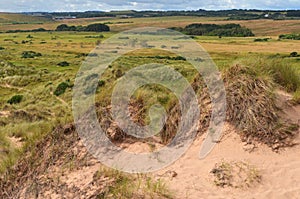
x,y
105,5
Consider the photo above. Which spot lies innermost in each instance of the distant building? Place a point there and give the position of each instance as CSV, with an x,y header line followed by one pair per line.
x,y
64,17
267,15
123,16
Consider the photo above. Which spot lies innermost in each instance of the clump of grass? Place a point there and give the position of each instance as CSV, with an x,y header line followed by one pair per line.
x,y
296,97
280,70
252,108
235,174
130,186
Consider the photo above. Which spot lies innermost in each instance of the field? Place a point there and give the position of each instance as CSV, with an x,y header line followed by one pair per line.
x,y
36,79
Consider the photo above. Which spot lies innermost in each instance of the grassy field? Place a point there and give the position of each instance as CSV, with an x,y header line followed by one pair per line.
x,y
36,79
262,27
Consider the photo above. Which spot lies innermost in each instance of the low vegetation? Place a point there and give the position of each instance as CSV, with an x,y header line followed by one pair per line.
x,y
227,30
290,36
236,175
61,88
16,99
30,54
89,28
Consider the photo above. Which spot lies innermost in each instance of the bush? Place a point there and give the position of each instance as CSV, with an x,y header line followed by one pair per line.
x,y
290,36
61,88
101,83
97,28
294,54
30,54
228,30
63,64
15,99
2,48
261,39
90,28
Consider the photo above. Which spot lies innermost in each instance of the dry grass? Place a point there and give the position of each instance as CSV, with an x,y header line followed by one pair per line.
x,y
252,108
235,174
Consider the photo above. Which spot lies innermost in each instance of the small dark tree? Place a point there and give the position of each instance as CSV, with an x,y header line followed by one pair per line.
x,y
294,54
62,27
15,99
63,64
61,88
97,28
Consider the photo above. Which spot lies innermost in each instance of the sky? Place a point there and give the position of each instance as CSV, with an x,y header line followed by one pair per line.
x,y
107,5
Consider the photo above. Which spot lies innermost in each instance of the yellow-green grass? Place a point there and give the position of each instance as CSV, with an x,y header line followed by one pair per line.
x,y
38,86
264,27
12,18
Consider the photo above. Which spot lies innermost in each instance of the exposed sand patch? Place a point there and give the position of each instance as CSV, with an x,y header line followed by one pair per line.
x,y
4,113
280,171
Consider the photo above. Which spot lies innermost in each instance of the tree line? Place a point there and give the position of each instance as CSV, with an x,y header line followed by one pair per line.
x,y
227,30
89,28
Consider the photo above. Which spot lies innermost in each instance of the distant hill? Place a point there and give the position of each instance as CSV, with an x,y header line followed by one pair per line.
x,y
234,14
14,18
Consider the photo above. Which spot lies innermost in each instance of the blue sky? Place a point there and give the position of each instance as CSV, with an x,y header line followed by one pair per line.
x,y
106,5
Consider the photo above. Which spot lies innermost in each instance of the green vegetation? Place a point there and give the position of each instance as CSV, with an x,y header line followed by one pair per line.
x,y
15,99
63,64
89,28
236,174
61,88
227,30
30,54
294,54
290,36
47,94
261,39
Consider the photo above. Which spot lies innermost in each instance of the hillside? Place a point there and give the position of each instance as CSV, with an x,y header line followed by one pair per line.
x,y
43,154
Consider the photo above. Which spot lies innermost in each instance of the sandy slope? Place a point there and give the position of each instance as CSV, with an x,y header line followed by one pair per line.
x,y
280,171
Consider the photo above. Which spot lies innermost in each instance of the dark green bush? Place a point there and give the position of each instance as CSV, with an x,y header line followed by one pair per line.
x,y
294,54
30,54
261,39
61,88
290,36
227,30
63,64
90,28
2,48
101,83
15,99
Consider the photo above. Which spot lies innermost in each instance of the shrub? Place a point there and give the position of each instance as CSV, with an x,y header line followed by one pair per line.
x,y
29,37
15,99
290,36
63,64
61,88
97,28
62,27
101,83
90,28
233,30
30,54
294,54
261,39
2,48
